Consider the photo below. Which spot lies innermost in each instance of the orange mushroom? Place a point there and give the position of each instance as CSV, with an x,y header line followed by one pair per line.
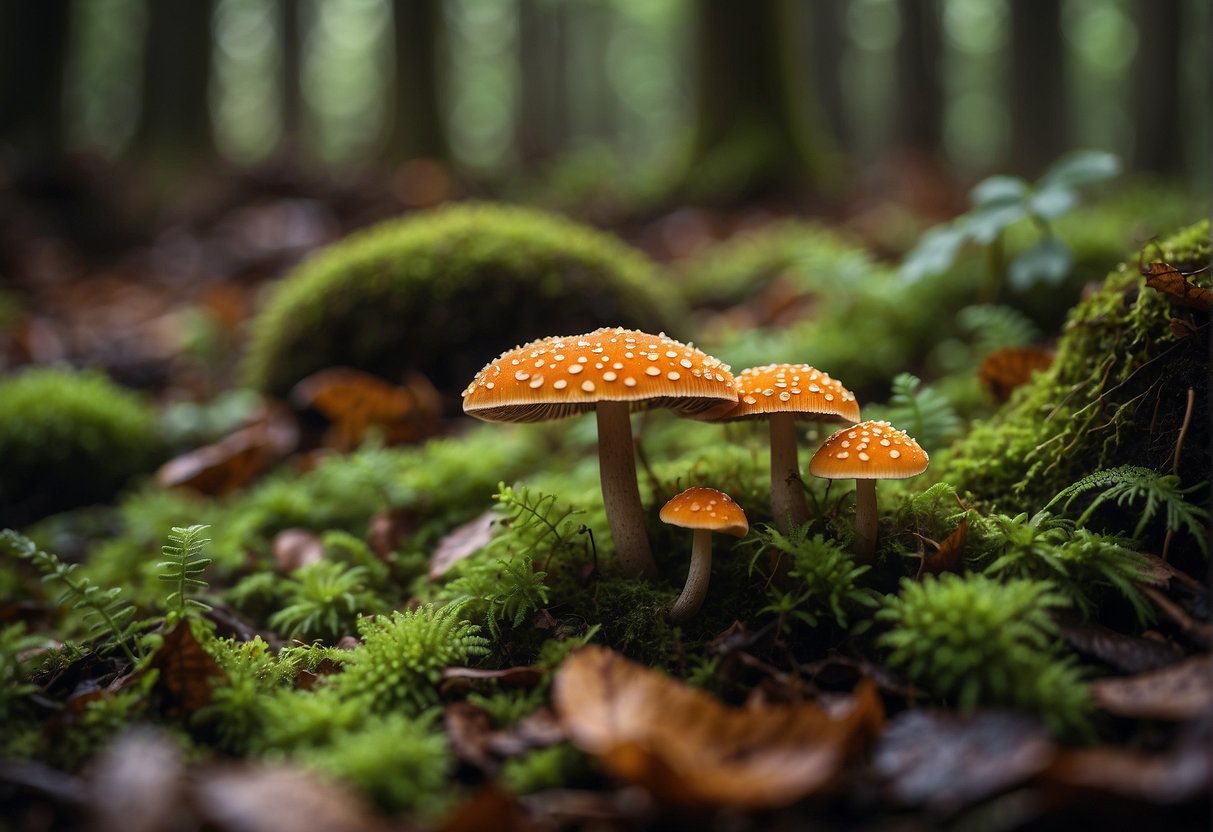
x,y
611,372
705,510
867,452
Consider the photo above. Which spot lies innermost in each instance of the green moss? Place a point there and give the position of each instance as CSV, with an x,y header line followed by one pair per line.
x,y
68,438
983,642
444,291
1116,394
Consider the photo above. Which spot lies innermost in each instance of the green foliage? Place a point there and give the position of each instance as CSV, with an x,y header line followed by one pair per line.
x,y
104,611
554,767
402,763
921,411
1128,484
993,326
399,664
181,569
1080,564
985,642
1113,396
322,601
822,578
14,684
368,300
67,439
1001,201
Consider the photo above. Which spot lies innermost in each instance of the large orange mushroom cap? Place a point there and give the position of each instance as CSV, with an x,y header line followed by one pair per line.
x,y
869,451
564,375
800,389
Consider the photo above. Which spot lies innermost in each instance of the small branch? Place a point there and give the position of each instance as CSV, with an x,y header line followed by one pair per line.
x,y
1183,430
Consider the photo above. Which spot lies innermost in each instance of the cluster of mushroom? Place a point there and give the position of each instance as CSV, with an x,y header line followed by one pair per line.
x,y
613,371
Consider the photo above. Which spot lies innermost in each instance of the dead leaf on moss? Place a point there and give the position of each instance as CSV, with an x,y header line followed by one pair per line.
x,y
948,553
187,672
524,677
945,761
464,541
688,748
1176,776
356,402
296,548
1180,692
1165,278
1126,653
238,459
279,799
1005,369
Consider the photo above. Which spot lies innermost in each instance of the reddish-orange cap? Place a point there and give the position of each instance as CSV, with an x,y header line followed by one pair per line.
x,y
869,451
564,375
705,508
791,388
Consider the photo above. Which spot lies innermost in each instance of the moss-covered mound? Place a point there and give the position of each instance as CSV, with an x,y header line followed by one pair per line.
x,y
67,439
1116,394
444,291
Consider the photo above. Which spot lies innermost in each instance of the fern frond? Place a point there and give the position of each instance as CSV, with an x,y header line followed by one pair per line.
x,y
181,569
921,411
1129,484
994,327
102,609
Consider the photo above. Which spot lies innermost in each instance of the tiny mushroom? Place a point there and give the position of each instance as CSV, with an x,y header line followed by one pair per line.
x,y
784,394
867,452
705,510
610,371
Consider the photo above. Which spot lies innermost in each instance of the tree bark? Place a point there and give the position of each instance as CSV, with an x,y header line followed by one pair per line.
x,y
173,131
919,89
33,51
290,78
1038,116
542,123
756,133
1157,83
418,129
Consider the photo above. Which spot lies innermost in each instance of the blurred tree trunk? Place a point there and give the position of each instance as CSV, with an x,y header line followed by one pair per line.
x,y
1038,114
1157,85
827,36
173,133
543,117
290,78
33,52
591,103
417,129
756,133
919,120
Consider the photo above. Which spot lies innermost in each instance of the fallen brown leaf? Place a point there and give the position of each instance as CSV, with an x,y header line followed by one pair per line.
x,y
296,548
688,748
489,808
1126,653
1176,776
466,540
1005,369
1180,692
1165,278
278,799
236,460
187,672
948,553
945,761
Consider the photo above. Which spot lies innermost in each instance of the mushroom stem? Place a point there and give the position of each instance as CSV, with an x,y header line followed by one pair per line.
x,y
620,493
865,521
787,489
696,587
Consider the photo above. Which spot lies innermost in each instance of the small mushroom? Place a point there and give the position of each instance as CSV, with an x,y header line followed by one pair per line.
x,y
784,394
867,452
705,510
612,372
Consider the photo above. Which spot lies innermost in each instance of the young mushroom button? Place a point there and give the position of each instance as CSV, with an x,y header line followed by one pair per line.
x,y
704,510
784,394
867,452
610,371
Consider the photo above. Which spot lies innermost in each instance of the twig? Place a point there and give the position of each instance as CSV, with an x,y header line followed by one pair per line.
x,y
1183,430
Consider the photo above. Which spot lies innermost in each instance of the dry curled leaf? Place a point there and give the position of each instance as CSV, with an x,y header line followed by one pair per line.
x,y
688,748
1181,774
1180,692
466,540
354,402
945,761
1165,278
948,553
1126,653
236,460
187,672
1005,369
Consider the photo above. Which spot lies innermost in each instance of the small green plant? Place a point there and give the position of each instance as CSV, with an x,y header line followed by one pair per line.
x,y
985,642
823,578
323,599
183,564
399,664
14,684
922,412
1078,562
993,326
1129,484
1001,201
515,592
104,611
